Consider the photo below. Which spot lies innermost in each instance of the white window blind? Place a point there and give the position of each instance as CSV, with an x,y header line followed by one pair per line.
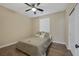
x,y
45,24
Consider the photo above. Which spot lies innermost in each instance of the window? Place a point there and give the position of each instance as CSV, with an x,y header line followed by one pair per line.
x,y
44,24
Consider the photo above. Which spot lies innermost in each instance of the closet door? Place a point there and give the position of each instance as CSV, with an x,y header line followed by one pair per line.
x,y
77,29
72,32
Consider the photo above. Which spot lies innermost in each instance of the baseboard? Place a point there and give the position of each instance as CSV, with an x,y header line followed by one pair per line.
x,y
8,44
68,47
59,42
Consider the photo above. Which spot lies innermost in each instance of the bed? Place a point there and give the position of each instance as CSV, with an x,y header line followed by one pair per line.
x,y
35,45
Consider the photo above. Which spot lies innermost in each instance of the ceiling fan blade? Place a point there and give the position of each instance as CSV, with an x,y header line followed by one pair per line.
x,y
34,12
38,4
33,4
28,4
27,10
40,9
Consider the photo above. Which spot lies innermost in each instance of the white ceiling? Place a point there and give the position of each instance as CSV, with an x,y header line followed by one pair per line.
x,y
47,7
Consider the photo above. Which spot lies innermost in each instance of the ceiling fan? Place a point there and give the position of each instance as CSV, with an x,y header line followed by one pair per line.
x,y
33,7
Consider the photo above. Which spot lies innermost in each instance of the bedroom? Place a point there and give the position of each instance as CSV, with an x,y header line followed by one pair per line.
x,y
17,25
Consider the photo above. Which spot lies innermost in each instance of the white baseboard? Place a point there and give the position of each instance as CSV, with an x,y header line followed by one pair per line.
x,y
8,44
60,42
67,47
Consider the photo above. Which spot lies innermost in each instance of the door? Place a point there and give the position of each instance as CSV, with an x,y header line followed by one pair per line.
x,y
74,31
77,29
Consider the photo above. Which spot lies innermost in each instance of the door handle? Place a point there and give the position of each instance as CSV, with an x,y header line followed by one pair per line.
x,y
76,46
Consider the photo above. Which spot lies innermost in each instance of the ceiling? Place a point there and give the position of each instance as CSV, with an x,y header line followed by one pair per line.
x,y
47,7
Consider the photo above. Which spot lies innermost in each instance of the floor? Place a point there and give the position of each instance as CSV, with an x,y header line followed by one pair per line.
x,y
54,49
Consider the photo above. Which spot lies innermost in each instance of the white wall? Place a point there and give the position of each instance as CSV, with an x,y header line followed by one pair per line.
x,y
57,26
35,25
13,26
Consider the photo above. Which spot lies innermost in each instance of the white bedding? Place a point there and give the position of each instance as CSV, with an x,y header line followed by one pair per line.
x,y
34,46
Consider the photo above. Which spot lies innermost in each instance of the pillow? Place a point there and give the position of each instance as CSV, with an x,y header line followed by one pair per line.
x,y
40,34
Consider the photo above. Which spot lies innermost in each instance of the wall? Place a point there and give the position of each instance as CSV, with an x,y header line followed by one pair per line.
x,y
35,25
57,26
67,29
13,26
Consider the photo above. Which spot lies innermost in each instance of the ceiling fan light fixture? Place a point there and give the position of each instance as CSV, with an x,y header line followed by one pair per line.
x,y
34,9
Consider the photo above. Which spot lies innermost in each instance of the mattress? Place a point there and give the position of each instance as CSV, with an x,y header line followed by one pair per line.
x,y
34,46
